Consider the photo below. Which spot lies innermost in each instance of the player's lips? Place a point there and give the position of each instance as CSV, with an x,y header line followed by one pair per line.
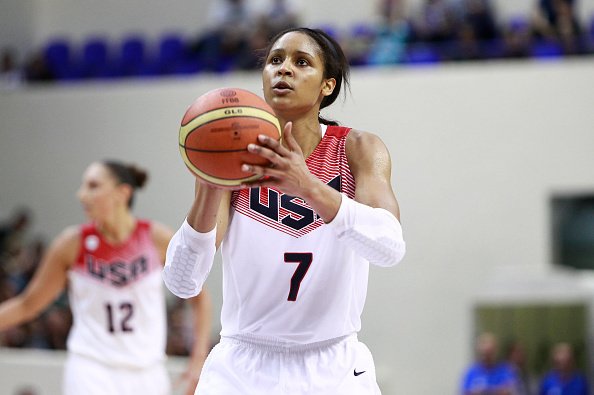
x,y
282,87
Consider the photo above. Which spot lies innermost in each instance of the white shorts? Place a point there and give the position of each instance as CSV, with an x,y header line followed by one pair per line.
x,y
87,376
246,366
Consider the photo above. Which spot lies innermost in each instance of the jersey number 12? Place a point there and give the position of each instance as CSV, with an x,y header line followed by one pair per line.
x,y
118,317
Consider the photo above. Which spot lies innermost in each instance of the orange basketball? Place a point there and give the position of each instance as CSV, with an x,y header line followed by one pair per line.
x,y
216,130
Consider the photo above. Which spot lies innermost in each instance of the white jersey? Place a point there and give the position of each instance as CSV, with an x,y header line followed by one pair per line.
x,y
286,277
117,300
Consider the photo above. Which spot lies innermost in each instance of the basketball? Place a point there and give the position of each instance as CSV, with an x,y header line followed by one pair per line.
x,y
216,130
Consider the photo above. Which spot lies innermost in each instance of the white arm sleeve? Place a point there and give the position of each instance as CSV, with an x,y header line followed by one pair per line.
x,y
373,233
190,255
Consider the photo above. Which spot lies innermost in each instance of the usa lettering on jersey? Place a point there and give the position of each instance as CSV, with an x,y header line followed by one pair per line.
x,y
118,273
286,213
290,214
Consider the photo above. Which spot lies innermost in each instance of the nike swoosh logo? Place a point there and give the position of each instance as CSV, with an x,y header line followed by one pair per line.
x,y
357,373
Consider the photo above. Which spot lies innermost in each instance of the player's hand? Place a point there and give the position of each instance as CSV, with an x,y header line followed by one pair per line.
x,y
188,381
287,170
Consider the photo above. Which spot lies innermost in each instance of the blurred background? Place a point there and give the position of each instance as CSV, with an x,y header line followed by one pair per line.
x,y
485,105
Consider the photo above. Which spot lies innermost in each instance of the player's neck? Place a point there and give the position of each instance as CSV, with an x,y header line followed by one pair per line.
x,y
308,134
118,227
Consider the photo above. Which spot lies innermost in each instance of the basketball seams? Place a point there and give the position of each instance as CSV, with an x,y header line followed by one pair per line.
x,y
275,124
213,151
227,108
219,114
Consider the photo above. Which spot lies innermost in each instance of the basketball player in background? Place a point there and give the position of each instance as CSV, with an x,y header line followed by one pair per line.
x,y
297,244
112,266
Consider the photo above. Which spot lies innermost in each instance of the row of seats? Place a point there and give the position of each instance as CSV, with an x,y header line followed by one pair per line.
x,y
98,57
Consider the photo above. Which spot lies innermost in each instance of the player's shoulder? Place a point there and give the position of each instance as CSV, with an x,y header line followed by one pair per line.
x,y
69,235
159,231
360,142
363,136
161,234
366,151
67,243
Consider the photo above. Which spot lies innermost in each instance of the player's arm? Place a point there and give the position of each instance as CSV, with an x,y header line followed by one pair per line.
x,y
370,224
201,319
191,251
201,306
161,235
47,283
371,165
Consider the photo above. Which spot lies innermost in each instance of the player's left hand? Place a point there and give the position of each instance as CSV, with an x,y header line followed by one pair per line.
x,y
287,170
188,381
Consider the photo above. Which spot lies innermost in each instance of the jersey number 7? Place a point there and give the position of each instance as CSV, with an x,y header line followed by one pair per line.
x,y
304,260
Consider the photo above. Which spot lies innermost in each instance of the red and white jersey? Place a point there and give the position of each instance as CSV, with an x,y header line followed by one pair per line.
x,y
286,277
117,299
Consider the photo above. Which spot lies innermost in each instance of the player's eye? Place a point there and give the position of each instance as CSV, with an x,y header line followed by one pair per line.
x,y
275,60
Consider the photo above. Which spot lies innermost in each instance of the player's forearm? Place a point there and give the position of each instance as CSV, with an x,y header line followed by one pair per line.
x,y
14,312
202,321
203,213
373,233
189,258
323,199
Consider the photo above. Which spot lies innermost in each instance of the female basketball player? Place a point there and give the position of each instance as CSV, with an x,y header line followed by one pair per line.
x,y
296,245
113,268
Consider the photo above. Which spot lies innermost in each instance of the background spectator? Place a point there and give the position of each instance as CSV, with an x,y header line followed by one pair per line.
x,y
515,356
563,378
227,41
556,20
393,33
488,375
436,22
12,239
11,75
279,15
516,38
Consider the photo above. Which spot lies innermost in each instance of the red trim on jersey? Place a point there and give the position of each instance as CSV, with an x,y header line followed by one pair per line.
x,y
338,131
120,264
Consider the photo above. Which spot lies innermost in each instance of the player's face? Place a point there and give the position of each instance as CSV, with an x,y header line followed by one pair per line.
x,y
293,75
99,193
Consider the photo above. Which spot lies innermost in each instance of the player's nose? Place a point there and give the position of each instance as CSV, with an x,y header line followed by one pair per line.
x,y
285,68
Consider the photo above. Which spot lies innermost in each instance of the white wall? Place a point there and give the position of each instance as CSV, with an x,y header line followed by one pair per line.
x,y
478,149
17,26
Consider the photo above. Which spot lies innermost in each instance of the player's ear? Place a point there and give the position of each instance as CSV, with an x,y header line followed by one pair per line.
x,y
125,192
328,86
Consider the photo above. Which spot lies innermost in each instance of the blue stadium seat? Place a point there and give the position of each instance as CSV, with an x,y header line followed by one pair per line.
x,y
171,52
421,54
132,55
545,49
95,60
492,49
590,38
57,55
